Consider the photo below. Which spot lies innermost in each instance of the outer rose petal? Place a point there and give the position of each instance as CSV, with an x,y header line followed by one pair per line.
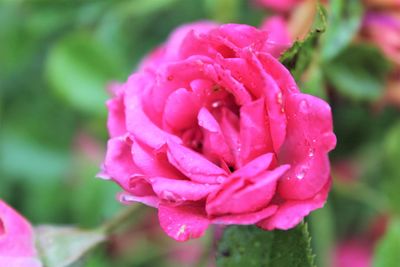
x,y
309,139
180,190
247,218
183,222
16,239
291,212
243,195
116,111
118,163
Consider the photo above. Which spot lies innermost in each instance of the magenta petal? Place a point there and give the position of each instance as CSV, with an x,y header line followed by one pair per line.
x,y
126,198
116,112
292,212
246,218
180,190
309,139
152,163
240,195
214,146
195,166
183,222
118,162
180,110
255,136
256,166
16,234
141,126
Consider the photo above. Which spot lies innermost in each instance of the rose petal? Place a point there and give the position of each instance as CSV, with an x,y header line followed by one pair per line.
x,y
118,162
127,198
16,237
180,110
241,195
247,218
256,166
194,165
180,190
309,139
255,136
182,222
292,212
214,145
116,112
140,125
152,163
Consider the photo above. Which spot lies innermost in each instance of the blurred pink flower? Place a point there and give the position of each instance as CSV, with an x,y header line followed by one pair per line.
x,y
279,34
16,240
213,129
279,5
383,29
353,253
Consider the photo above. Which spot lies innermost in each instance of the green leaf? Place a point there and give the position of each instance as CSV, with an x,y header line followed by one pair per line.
x,y
344,21
387,251
223,10
299,56
358,72
391,168
78,68
251,246
61,246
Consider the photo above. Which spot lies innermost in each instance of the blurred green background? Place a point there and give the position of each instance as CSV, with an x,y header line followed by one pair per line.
x,y
56,59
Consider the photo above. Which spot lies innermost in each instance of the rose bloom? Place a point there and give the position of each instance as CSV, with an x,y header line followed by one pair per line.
x,y
383,29
16,240
212,129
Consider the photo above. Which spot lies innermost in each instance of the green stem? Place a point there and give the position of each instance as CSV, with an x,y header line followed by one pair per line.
x,y
120,220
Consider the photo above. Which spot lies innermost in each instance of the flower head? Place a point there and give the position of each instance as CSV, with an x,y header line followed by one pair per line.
x,y
212,128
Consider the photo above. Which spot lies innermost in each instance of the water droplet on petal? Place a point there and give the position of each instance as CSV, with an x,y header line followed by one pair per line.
x,y
216,104
300,175
311,152
279,98
170,77
304,106
220,179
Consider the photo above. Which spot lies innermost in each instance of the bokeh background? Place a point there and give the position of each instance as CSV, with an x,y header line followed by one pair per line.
x,y
58,57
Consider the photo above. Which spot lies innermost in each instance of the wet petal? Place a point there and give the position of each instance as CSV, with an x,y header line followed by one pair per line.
x,y
118,163
309,139
292,212
116,112
214,145
246,218
240,195
180,110
183,222
194,165
255,136
152,163
180,190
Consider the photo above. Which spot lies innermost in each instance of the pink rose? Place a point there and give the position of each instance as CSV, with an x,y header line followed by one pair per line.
x,y
383,28
16,240
213,129
279,5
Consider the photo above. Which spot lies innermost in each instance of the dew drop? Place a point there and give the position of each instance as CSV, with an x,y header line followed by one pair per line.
x,y
216,104
311,152
300,175
304,106
220,179
170,77
279,98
